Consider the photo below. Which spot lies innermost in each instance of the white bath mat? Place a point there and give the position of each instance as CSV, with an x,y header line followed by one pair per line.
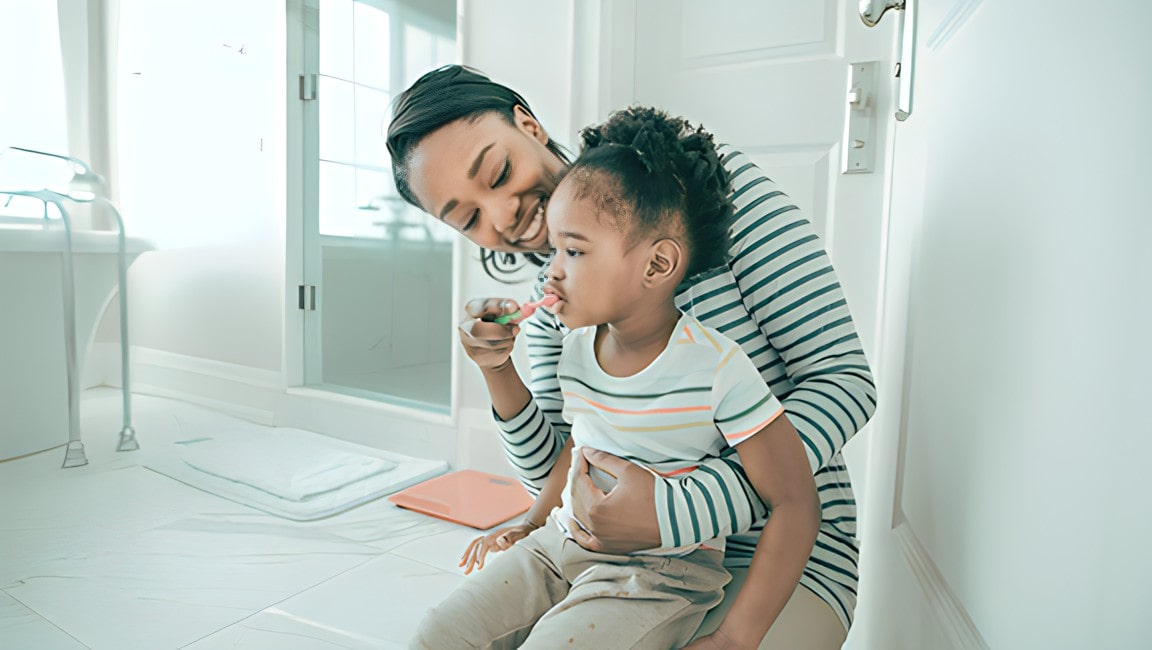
x,y
287,472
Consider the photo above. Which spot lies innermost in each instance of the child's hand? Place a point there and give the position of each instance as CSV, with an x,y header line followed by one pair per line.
x,y
496,541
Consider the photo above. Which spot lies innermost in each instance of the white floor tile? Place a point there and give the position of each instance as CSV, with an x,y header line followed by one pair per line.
x,y
376,605
63,513
383,525
443,550
20,627
168,586
112,555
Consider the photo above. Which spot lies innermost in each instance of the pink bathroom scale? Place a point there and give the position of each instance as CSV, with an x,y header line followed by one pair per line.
x,y
467,497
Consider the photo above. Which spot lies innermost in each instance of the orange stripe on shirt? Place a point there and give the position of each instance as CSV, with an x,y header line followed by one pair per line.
x,y
748,432
603,407
689,334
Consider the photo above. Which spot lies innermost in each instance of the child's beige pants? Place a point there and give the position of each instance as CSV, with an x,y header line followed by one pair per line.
x,y
564,596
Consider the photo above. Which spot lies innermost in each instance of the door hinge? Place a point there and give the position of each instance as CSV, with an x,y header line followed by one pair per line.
x,y
307,293
308,87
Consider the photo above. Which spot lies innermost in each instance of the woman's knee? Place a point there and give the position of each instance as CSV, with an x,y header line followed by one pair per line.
x,y
806,623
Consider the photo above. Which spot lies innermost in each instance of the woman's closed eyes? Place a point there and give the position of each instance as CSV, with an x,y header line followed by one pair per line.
x,y
505,172
471,221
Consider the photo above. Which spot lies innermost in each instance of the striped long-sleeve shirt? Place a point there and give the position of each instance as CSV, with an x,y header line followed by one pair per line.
x,y
698,399
780,300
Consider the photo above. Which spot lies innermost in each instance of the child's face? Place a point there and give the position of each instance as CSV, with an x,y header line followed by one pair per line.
x,y
594,272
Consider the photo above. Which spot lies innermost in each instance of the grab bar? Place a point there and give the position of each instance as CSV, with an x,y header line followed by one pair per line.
x,y
82,174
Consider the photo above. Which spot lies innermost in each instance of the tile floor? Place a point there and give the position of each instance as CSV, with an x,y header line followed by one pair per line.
x,y
113,555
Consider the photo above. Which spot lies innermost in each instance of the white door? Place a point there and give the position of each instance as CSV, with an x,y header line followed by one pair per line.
x,y
1019,300
772,79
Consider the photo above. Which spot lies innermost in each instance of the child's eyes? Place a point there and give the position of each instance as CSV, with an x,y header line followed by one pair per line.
x,y
572,252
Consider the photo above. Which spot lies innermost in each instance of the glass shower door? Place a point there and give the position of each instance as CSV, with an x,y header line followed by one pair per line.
x,y
381,268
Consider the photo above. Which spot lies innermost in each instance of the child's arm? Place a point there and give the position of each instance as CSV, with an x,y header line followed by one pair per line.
x,y
503,538
777,466
553,489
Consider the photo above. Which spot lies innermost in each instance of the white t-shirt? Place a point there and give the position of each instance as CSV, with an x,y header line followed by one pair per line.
x,y
699,397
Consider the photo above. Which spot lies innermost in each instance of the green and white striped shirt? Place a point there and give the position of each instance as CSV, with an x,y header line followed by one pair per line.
x,y
780,301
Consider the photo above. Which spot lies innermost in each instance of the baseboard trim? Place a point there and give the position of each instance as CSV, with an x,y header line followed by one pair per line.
x,y
258,416
257,395
953,619
246,375
242,391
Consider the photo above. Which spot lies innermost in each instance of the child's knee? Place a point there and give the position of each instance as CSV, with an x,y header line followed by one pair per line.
x,y
436,633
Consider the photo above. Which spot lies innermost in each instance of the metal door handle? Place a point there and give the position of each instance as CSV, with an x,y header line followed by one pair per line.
x,y
871,11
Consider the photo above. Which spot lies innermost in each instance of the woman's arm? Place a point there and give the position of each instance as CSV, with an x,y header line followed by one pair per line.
x,y
531,436
788,285
534,435
490,345
646,511
777,466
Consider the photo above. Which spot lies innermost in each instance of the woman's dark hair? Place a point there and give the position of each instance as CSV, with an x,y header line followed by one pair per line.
x,y
666,173
440,97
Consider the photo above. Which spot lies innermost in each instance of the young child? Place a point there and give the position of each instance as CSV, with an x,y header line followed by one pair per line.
x,y
648,383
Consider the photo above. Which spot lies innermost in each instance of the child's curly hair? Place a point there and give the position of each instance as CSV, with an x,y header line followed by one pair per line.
x,y
657,174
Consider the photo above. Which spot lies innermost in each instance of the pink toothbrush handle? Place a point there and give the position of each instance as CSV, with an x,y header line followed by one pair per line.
x,y
526,310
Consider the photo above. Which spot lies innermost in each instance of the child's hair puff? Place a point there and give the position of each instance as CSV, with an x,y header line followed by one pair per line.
x,y
668,176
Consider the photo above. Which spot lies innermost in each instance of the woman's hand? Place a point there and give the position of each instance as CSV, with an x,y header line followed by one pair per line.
x,y
623,520
488,344
500,540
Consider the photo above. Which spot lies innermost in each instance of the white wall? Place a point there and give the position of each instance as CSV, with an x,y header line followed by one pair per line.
x,y
203,176
1021,520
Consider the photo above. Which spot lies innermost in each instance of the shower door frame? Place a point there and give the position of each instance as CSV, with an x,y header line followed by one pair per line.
x,y
303,253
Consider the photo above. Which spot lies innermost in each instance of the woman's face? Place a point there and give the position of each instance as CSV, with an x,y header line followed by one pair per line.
x,y
488,179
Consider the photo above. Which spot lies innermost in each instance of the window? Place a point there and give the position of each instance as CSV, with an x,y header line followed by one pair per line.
x,y
369,51
32,105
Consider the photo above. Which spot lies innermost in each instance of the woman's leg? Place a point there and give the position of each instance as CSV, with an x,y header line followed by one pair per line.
x,y
498,604
806,623
619,601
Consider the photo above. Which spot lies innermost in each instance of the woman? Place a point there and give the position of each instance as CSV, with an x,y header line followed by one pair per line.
x,y
470,152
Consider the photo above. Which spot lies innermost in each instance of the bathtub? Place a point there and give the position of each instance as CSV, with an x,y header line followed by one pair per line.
x,y
34,393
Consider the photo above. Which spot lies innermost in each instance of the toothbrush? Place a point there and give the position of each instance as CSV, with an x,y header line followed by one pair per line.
x,y
526,310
